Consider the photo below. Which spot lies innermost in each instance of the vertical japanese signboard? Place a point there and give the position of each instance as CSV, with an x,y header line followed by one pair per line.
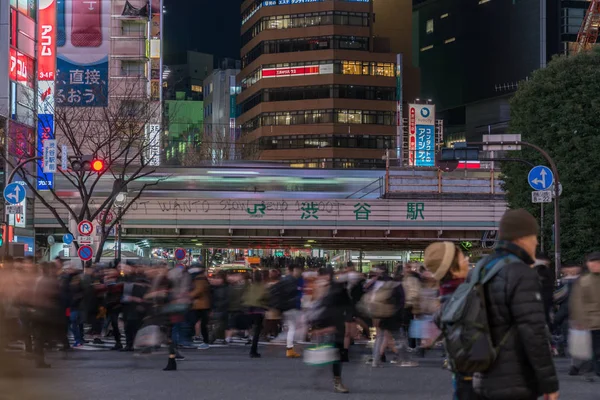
x,y
421,135
153,144
399,111
46,63
83,33
155,49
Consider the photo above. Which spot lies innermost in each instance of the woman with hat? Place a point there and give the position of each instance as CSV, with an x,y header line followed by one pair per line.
x,y
450,268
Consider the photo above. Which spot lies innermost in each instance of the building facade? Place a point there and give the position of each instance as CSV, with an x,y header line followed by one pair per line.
x,y
73,69
183,119
185,73
220,111
315,91
18,47
472,54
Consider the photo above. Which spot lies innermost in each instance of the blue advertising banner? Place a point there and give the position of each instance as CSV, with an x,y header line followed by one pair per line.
x,y
45,132
83,44
425,146
81,85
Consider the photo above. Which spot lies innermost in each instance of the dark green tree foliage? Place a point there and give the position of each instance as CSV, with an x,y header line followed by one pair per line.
x,y
558,109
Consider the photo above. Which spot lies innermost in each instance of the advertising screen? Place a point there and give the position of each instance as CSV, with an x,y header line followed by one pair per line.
x,y
421,135
83,40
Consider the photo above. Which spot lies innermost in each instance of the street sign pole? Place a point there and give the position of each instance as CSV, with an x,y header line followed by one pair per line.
x,y
542,227
504,146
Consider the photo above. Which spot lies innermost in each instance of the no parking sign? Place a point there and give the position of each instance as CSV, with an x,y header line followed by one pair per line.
x,y
179,254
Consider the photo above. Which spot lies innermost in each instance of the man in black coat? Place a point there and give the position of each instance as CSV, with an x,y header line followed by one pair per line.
x,y
524,369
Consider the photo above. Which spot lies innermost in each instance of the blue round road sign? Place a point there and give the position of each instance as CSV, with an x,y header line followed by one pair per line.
x,y
14,193
540,178
67,238
179,254
85,253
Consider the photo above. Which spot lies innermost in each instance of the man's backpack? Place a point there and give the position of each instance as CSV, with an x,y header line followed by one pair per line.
x,y
464,321
379,303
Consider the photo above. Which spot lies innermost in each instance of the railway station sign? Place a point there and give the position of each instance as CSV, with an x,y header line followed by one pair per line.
x,y
315,214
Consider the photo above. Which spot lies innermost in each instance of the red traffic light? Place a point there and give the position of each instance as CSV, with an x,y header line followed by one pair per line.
x,y
97,165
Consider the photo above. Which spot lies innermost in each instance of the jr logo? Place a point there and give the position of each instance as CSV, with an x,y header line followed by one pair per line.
x,y
258,208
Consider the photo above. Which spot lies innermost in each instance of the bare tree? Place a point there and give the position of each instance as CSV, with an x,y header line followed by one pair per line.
x,y
125,135
218,145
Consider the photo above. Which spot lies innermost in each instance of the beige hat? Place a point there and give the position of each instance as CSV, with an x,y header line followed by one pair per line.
x,y
438,258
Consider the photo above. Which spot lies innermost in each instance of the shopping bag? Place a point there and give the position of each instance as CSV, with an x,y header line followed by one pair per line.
x,y
322,353
149,336
580,344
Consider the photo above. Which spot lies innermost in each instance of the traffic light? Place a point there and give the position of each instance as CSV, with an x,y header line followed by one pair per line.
x,y
87,163
97,165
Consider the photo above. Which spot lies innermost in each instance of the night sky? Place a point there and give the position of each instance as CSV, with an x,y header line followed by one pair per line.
x,y
207,26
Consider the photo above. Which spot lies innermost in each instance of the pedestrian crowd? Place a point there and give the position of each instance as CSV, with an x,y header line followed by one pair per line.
x,y
493,321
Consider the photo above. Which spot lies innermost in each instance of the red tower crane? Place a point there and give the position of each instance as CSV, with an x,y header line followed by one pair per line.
x,y
588,33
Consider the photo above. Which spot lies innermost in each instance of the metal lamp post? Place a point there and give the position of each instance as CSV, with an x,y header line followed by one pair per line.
x,y
120,201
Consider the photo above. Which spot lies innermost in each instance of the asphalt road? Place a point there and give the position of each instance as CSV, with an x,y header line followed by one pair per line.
x,y
228,373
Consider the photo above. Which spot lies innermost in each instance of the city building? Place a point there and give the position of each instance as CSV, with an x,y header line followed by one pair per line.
x,y
183,119
72,69
220,112
472,54
318,86
18,32
185,72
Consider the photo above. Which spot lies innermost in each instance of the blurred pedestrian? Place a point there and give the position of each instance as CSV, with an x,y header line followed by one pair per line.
x,y
584,306
255,302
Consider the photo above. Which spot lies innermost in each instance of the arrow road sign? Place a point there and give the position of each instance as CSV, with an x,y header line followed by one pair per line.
x,y
85,228
14,193
85,253
67,238
540,178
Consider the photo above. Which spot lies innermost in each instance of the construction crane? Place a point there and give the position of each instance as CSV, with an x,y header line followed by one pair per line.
x,y
588,33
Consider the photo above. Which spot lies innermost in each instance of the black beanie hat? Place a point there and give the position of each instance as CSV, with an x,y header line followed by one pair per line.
x,y
516,224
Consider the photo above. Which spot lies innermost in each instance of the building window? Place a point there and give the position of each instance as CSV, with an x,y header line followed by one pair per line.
x,y
304,21
339,67
197,88
284,118
133,28
133,68
305,44
429,26
379,142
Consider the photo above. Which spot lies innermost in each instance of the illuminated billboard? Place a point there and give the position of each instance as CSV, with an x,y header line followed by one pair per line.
x,y
21,68
421,135
83,33
46,63
297,71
